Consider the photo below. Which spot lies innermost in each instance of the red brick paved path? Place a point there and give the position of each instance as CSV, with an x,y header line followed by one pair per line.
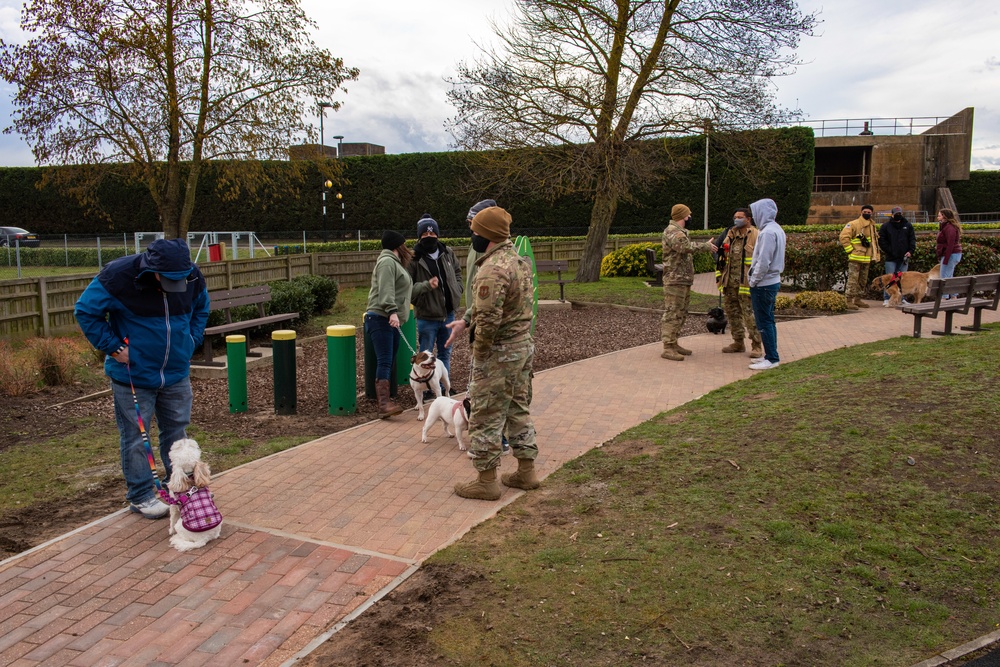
x,y
313,533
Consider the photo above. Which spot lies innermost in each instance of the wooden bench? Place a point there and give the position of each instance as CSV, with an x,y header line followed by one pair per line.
x,y
656,270
962,290
985,283
225,300
556,266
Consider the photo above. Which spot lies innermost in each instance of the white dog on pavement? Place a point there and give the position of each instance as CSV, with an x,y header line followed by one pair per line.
x,y
194,519
428,373
453,413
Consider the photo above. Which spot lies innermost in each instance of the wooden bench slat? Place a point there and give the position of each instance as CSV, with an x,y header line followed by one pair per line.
x,y
224,300
556,266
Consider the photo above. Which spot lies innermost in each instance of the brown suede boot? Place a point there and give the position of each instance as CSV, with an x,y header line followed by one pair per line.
x,y
682,350
756,350
734,347
484,487
860,303
524,478
670,352
386,406
851,305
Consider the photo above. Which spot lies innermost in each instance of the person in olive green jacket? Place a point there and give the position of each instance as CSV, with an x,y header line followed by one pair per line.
x,y
388,308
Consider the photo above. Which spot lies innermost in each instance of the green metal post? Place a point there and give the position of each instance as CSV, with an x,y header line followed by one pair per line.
x,y
236,364
341,369
283,356
403,354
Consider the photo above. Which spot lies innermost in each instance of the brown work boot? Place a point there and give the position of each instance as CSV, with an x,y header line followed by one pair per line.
x,y
860,303
734,347
670,352
756,350
524,478
386,406
484,487
851,305
682,350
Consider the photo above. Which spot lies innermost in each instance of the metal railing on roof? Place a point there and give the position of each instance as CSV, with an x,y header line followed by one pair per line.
x,y
884,126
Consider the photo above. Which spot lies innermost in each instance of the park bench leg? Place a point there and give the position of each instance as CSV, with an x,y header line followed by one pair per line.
x,y
947,325
917,321
977,321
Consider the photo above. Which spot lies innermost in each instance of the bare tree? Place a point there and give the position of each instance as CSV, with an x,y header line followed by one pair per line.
x,y
607,74
150,89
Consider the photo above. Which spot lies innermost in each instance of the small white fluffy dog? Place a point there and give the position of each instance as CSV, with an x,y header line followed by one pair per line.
x,y
452,413
194,519
428,373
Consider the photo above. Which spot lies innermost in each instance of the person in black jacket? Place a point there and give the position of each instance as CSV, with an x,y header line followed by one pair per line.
x,y
437,289
898,242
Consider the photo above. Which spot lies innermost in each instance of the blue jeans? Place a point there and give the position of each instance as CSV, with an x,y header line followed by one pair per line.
x,y
385,340
948,269
762,300
172,408
431,332
892,267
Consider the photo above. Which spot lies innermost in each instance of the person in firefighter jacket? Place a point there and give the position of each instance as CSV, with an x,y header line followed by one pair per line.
x,y
737,250
859,239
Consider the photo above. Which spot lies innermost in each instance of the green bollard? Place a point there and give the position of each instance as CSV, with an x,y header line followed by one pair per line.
x,y
341,369
283,356
371,361
236,363
403,354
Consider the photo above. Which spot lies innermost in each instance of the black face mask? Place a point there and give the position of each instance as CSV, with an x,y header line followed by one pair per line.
x,y
897,216
427,245
480,243
866,216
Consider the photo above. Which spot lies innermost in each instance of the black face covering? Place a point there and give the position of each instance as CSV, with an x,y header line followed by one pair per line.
x,y
480,243
427,245
866,216
897,216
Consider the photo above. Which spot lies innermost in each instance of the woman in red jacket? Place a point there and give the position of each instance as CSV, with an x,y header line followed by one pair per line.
x,y
949,243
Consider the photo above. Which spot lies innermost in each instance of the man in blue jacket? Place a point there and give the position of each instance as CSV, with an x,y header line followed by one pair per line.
x,y
147,313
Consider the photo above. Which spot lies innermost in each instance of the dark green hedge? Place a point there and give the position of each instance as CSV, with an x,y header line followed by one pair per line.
x,y
979,194
392,191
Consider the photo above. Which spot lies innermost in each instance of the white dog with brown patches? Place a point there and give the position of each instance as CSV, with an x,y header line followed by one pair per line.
x,y
430,374
453,413
194,519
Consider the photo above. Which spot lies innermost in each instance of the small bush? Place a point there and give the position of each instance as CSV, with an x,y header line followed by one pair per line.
x,y
629,261
18,375
324,291
784,303
291,297
828,301
56,358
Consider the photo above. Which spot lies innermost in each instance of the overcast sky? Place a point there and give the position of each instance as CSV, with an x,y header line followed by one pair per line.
x,y
869,58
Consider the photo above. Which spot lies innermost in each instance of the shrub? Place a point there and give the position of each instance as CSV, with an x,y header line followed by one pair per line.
x,y
629,260
833,302
291,297
56,358
324,291
784,302
18,375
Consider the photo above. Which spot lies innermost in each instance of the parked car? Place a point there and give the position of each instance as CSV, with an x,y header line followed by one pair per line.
x,y
13,235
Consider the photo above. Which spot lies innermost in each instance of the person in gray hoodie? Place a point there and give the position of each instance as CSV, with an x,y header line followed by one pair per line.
x,y
765,278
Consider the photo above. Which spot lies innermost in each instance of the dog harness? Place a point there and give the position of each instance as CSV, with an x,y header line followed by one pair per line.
x,y
426,378
894,280
454,410
198,510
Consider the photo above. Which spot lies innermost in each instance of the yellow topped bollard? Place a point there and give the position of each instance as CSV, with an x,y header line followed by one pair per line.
x,y
341,369
283,350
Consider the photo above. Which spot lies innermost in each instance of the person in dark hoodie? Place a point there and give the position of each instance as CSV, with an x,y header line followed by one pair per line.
x,y
898,242
147,313
437,290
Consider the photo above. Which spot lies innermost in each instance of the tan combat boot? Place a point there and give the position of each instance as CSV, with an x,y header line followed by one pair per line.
x,y
734,347
386,406
524,478
756,350
682,350
484,487
860,303
670,352
851,305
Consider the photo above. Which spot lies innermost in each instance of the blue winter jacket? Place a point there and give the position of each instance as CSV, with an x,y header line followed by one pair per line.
x,y
163,328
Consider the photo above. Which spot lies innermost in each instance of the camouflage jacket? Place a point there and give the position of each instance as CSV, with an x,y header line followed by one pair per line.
x,y
678,251
503,294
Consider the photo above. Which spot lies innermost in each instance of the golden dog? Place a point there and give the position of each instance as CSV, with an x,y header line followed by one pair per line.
x,y
909,283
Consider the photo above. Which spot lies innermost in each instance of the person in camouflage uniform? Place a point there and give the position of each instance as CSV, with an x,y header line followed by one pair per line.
x,y
733,281
502,356
678,276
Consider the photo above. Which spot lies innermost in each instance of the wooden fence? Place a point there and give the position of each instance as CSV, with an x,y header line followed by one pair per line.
x,y
44,306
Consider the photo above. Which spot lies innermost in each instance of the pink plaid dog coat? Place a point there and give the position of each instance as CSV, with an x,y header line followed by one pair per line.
x,y
198,510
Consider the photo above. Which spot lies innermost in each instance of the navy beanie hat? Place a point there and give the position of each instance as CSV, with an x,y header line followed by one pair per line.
x,y
485,204
427,222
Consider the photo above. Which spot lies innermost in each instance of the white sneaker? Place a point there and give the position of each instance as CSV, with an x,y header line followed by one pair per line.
x,y
763,365
885,303
907,302
152,508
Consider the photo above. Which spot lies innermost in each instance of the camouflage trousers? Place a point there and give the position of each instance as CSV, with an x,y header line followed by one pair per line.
x,y
857,280
740,315
675,309
500,393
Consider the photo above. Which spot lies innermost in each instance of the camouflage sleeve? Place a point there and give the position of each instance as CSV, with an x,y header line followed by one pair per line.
x,y
490,291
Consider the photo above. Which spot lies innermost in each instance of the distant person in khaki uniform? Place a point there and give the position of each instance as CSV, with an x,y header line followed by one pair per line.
x,y
860,241
737,247
502,356
678,276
